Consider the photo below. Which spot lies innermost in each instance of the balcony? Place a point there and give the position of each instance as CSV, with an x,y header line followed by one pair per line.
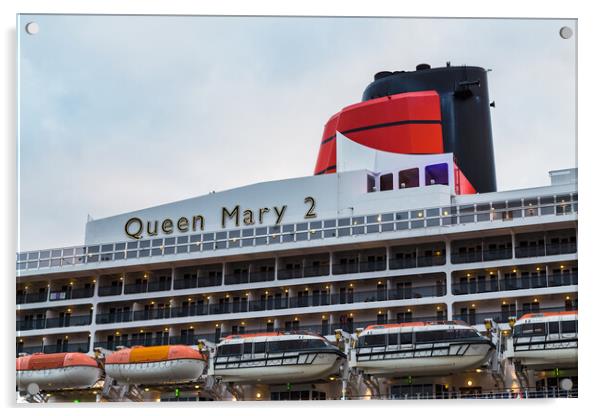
x,y
306,271
62,322
412,262
275,303
80,293
145,287
67,347
357,267
109,290
478,318
32,298
481,255
201,281
532,282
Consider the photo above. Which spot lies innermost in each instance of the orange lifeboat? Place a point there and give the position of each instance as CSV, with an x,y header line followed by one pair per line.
x,y
160,364
64,370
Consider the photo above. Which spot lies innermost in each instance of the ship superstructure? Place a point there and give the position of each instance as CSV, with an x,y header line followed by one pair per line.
x,y
401,225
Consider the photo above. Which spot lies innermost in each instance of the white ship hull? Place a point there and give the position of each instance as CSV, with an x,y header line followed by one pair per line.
x,y
323,365
156,372
73,377
396,365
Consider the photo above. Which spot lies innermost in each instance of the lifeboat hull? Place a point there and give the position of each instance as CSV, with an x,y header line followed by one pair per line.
x,y
542,360
280,370
411,364
74,377
159,372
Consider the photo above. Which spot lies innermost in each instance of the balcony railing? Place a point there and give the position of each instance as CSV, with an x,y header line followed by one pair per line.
x,y
546,250
69,347
447,216
109,290
32,298
147,287
481,255
416,261
79,293
66,321
501,316
531,282
357,267
273,304
249,277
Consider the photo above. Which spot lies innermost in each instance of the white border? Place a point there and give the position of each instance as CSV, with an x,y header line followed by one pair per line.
x,y
590,72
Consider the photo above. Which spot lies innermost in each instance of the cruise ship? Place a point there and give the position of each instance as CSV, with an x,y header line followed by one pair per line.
x,y
396,271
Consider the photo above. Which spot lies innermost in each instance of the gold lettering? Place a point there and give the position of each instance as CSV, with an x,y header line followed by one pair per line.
x,y
201,220
247,217
148,228
137,234
279,214
261,212
183,224
233,214
167,226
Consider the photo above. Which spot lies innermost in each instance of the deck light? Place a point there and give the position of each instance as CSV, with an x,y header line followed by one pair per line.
x,y
568,298
69,310
227,296
269,321
469,383
535,300
266,292
420,214
71,283
438,308
513,270
247,294
323,316
166,329
258,395
468,274
296,319
153,302
146,389
350,284
216,325
117,333
351,315
379,282
537,268
562,266
490,273
242,323
142,330
479,370
409,310
380,312
197,386
473,305
444,212
332,378
66,336
504,302
189,299
94,281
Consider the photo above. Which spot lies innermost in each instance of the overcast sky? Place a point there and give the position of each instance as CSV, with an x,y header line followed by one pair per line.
x,y
123,113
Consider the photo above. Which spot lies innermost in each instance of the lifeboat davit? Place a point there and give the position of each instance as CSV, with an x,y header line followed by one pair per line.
x,y
545,340
419,348
155,365
64,370
270,358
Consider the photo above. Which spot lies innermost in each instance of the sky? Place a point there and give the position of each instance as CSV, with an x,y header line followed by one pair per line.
x,y
122,113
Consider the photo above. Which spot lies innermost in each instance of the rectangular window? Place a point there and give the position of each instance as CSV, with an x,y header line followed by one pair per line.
x,y
386,182
409,178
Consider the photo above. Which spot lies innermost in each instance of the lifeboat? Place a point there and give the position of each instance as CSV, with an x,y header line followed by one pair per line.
x,y
155,365
64,370
270,358
419,348
544,340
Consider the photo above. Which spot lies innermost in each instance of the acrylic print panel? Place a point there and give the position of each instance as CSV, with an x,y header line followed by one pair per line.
x,y
286,208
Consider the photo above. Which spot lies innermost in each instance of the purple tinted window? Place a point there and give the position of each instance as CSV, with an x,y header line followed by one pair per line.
x,y
408,178
437,174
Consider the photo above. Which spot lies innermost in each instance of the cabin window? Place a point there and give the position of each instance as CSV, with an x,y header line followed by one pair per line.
x,y
405,338
371,184
553,328
259,347
437,174
569,327
392,339
248,348
386,182
409,178
372,340
234,349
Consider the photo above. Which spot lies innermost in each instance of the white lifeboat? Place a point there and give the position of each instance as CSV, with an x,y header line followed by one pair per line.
x,y
155,365
64,370
270,358
419,348
544,340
